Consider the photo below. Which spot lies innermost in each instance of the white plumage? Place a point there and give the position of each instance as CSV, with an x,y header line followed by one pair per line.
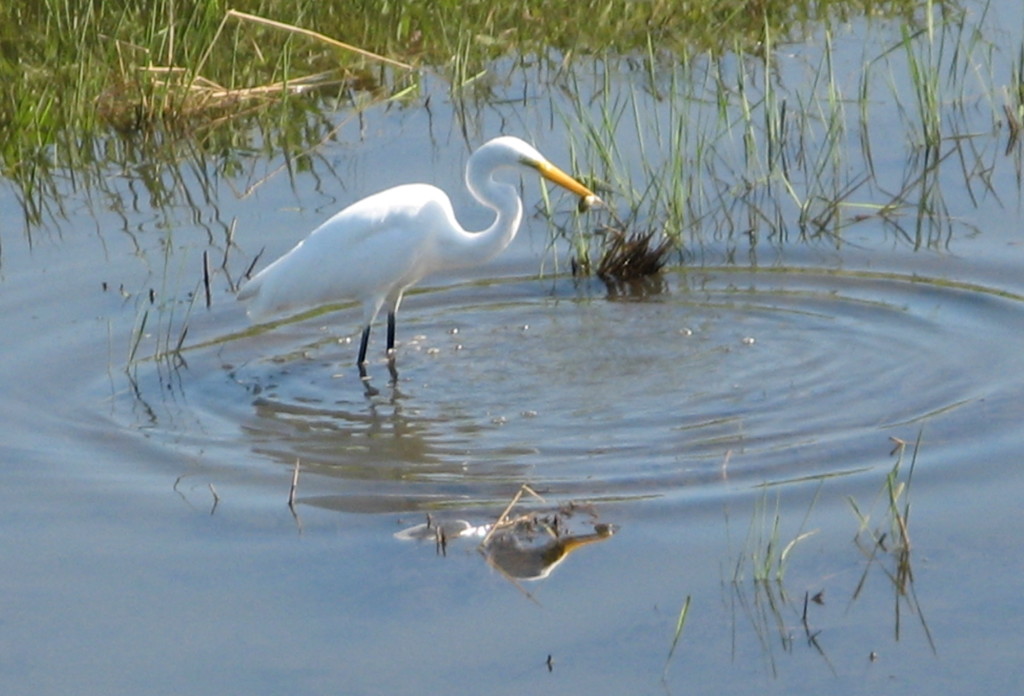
x,y
376,248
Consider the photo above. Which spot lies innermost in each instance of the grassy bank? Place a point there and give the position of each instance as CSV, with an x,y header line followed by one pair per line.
x,y
703,124
83,82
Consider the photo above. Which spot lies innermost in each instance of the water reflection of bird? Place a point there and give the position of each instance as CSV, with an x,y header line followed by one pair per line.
x,y
509,547
373,250
511,556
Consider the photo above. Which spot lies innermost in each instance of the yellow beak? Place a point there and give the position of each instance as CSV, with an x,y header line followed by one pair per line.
x,y
557,176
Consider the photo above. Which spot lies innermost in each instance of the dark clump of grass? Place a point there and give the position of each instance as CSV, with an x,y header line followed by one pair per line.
x,y
631,256
625,256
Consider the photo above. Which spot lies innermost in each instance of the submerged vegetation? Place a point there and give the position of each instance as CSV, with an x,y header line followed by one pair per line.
x,y
765,553
761,593
888,546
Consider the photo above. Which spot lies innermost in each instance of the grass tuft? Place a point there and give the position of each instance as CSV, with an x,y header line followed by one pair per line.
x,y
766,554
889,546
626,257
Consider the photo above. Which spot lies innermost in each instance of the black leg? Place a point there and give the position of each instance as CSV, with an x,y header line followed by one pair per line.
x,y
391,332
370,390
362,346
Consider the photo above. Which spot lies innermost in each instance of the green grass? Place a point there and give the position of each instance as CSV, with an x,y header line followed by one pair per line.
x,y
684,611
887,545
727,153
716,135
767,552
757,587
717,141
89,83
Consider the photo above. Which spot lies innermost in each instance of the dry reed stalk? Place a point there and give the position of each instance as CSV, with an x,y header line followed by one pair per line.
x,y
318,36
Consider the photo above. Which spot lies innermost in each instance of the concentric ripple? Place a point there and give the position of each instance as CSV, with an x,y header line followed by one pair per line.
x,y
713,375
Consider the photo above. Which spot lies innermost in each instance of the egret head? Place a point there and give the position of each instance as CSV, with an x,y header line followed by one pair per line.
x,y
511,150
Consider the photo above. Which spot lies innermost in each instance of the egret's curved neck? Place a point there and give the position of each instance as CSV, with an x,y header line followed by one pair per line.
x,y
479,247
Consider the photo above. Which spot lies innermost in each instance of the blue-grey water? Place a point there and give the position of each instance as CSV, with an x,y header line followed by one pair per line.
x,y
752,395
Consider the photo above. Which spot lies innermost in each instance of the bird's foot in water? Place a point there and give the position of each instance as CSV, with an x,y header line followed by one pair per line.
x,y
365,377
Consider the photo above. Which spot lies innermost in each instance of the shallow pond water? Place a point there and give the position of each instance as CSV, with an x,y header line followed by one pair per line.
x,y
707,416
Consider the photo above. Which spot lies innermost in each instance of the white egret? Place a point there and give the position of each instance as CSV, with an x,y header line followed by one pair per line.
x,y
374,249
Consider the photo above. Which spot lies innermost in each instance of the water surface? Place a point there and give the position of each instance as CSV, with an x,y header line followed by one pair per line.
x,y
150,547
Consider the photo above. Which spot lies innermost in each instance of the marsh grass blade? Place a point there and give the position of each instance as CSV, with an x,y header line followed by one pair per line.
x,y
680,624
